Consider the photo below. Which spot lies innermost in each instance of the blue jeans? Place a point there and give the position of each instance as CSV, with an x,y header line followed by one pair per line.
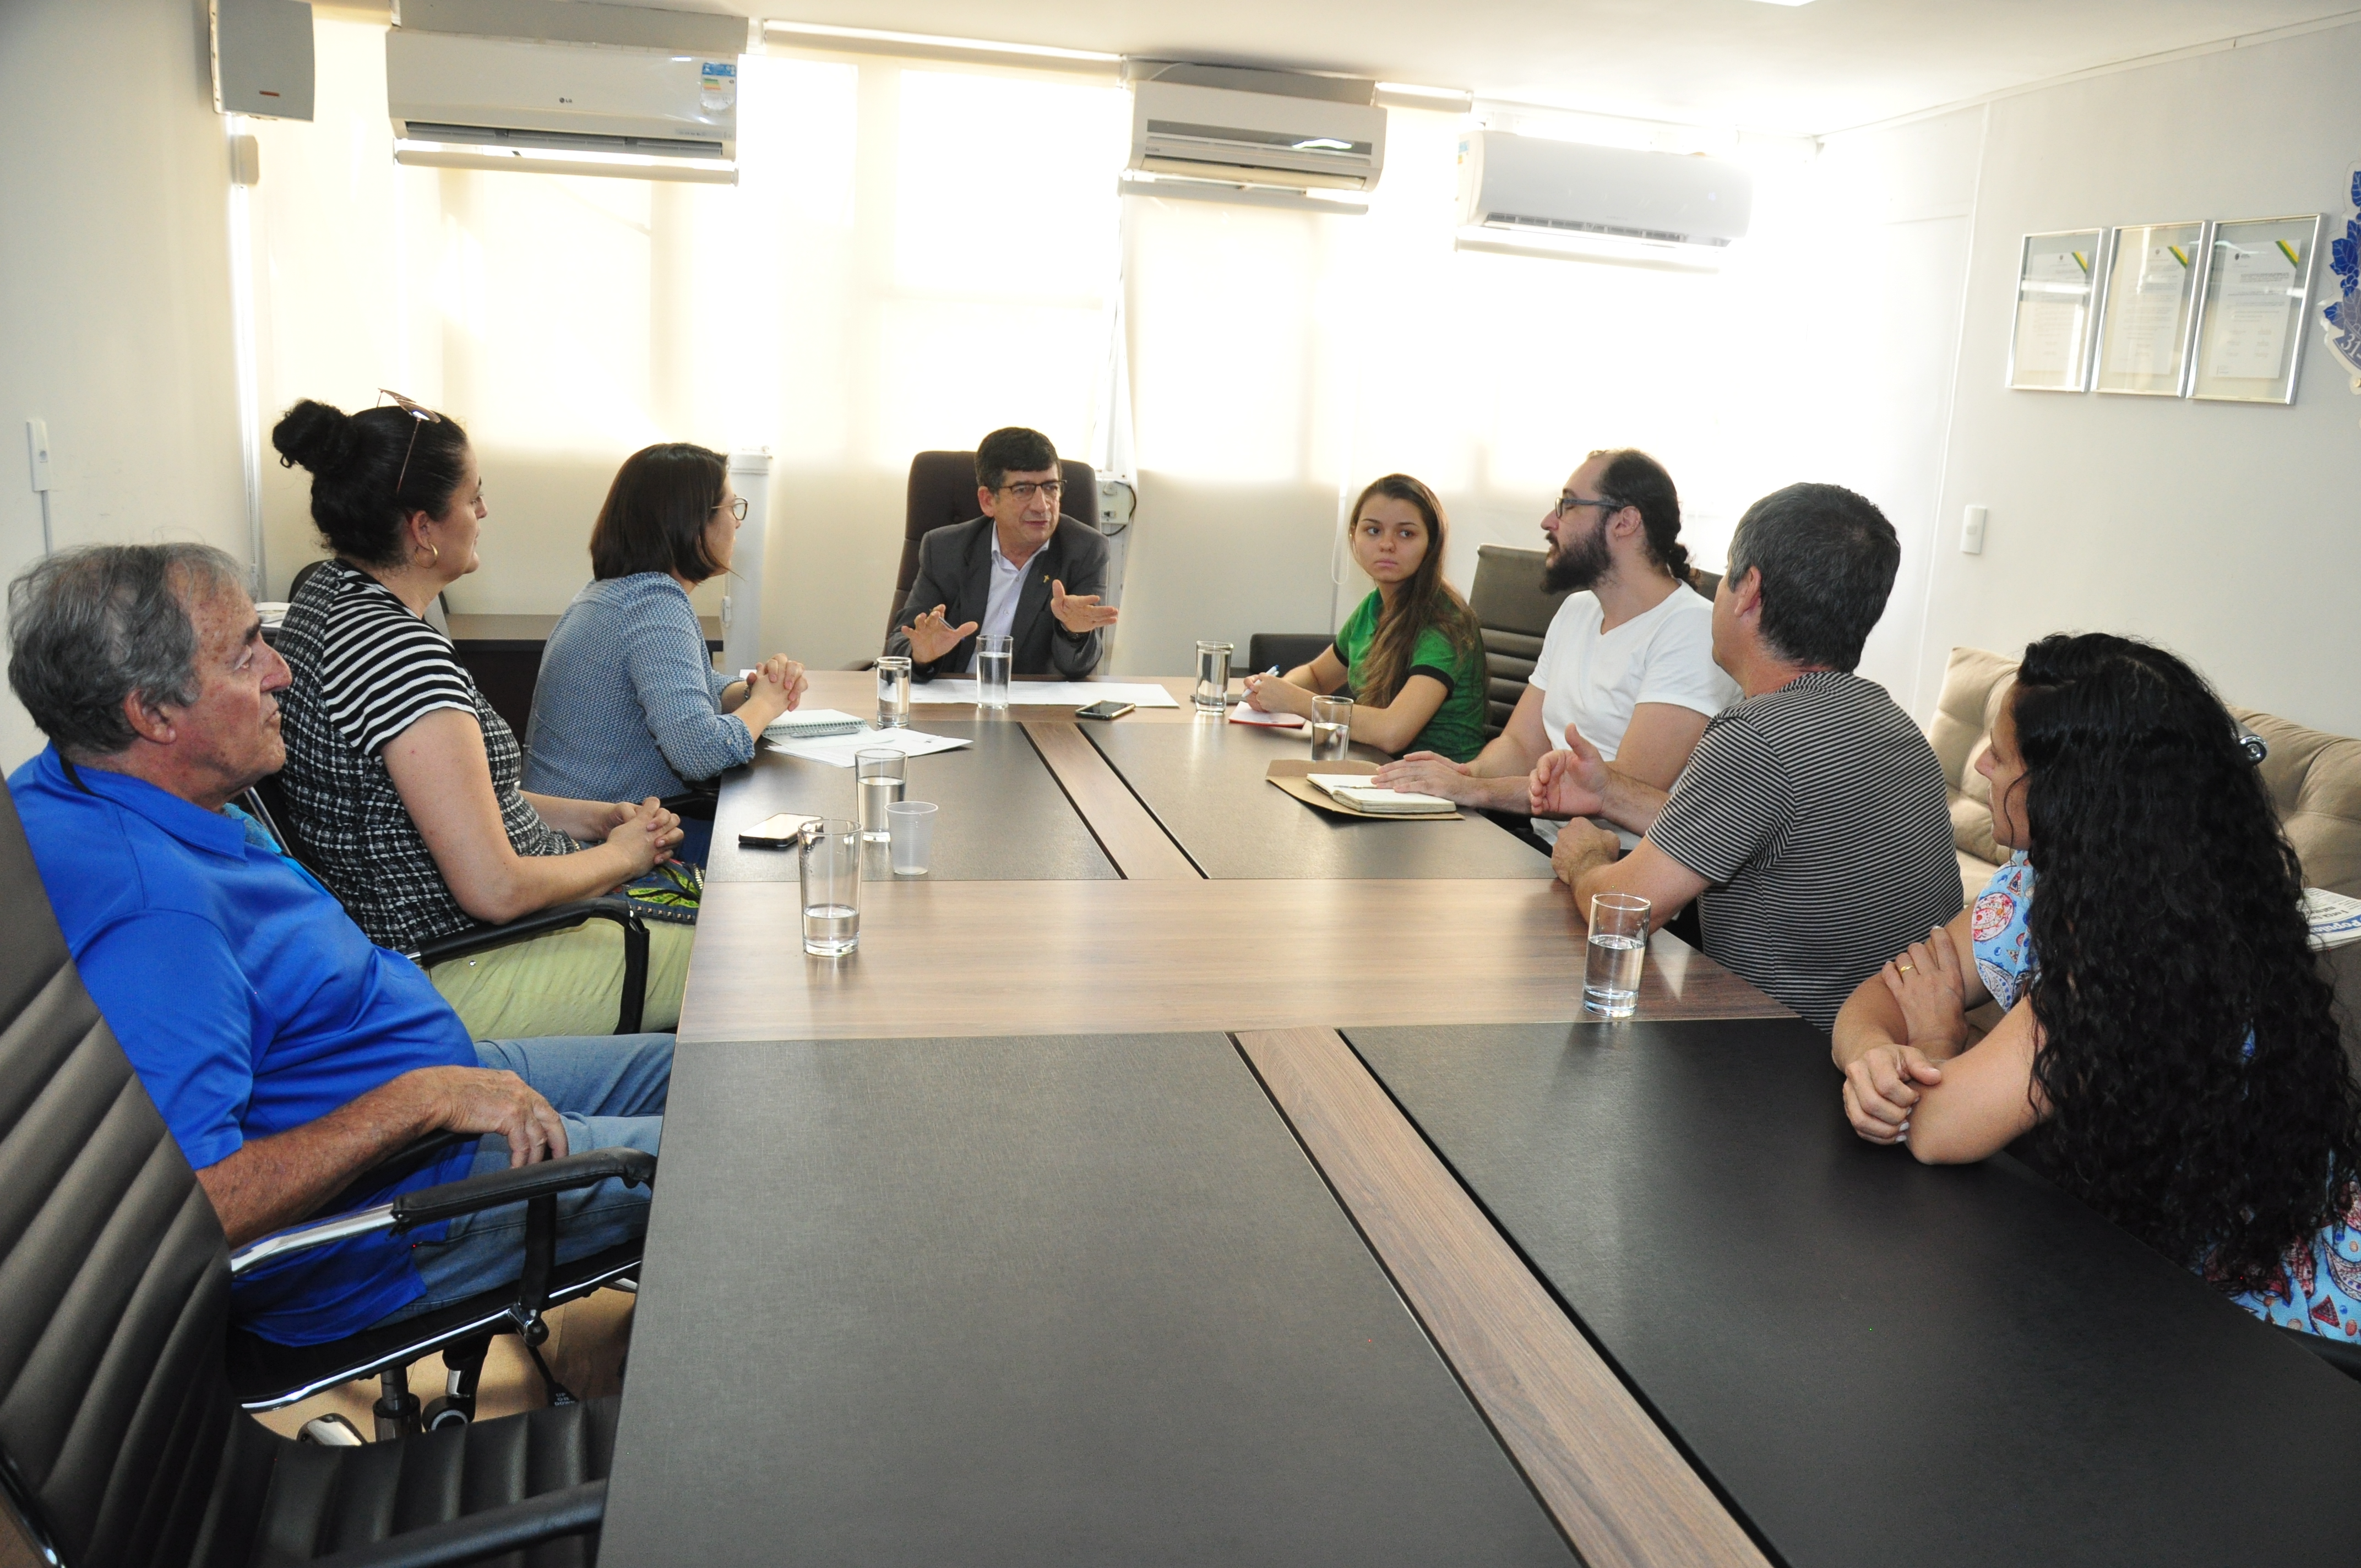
x,y
609,1090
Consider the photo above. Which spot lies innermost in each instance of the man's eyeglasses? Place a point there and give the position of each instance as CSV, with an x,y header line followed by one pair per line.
x,y
1026,490
737,507
418,411
1568,501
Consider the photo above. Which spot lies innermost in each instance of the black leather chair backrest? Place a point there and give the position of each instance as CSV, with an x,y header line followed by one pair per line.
x,y
115,1419
942,491
1514,611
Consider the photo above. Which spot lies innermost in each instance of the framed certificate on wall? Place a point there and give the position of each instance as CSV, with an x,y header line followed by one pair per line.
x,y
2059,280
2250,317
2154,276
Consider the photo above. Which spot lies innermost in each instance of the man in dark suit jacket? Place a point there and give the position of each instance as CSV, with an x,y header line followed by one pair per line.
x,y
1019,571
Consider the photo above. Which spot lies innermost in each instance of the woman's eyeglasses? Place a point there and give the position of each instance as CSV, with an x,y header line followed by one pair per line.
x,y
737,507
418,411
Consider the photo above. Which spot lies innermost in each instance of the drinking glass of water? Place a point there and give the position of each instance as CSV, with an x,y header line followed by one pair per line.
x,y
993,656
1332,728
1213,693
831,887
1619,945
881,776
892,692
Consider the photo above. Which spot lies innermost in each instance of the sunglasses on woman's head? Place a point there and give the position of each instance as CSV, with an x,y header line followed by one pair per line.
x,y
422,414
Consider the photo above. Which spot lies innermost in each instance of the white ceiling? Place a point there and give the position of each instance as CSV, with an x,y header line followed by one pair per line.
x,y
1810,69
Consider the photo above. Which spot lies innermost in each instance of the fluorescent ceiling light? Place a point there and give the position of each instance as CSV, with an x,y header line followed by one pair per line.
x,y
872,35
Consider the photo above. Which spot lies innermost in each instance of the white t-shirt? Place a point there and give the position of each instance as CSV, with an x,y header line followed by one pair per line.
x,y
1593,680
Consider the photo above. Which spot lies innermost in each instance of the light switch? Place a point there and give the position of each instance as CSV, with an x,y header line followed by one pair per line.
x,y
1972,535
37,441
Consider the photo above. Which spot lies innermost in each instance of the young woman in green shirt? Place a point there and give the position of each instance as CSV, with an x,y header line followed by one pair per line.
x,y
1410,652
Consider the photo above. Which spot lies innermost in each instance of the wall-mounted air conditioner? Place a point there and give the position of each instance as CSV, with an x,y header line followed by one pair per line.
x,y
1227,129
572,87
1531,193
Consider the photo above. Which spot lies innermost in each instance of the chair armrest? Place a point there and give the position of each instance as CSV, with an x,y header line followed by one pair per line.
x,y
507,1529
556,918
2340,1353
520,1182
517,1184
390,1170
560,918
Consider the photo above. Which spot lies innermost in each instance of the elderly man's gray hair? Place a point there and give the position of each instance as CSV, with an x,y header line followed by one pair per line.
x,y
89,627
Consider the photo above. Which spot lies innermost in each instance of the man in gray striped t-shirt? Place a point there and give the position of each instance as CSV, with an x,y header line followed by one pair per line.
x,y
1811,821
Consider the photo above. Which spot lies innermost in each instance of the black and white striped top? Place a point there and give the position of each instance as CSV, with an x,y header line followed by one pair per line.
x,y
364,670
1817,813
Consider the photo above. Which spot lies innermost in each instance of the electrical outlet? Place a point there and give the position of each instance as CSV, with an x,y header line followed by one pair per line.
x,y
1972,535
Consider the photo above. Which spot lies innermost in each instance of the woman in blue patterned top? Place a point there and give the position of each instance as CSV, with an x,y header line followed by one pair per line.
x,y
629,704
2168,1038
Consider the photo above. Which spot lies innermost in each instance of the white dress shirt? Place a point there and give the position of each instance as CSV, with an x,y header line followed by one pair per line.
x,y
999,599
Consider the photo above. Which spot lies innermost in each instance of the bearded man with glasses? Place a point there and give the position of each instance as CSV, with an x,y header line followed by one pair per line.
x,y
1628,659
1019,571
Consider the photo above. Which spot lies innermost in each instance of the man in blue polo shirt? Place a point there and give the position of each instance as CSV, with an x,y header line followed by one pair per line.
x,y
287,1052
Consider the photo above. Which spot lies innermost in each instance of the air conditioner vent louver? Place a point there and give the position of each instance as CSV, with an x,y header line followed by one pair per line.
x,y
1579,226
562,141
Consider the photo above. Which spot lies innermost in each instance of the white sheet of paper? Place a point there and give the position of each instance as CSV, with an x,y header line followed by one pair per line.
x,y
837,751
2246,329
1048,694
1242,714
2147,318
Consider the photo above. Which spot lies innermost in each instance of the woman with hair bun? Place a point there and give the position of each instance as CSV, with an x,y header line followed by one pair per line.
x,y
629,703
2168,1039
1412,652
401,781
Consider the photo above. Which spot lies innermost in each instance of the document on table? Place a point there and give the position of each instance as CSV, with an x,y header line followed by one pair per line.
x,y
1049,693
2335,918
812,724
837,751
1242,714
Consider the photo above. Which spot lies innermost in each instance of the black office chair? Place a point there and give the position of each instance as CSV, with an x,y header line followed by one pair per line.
x,y
1514,611
267,803
121,1442
942,491
1284,650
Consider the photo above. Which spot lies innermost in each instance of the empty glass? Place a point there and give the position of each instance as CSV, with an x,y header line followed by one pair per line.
x,y
993,656
913,826
1332,729
1212,694
880,777
831,887
892,692
1619,945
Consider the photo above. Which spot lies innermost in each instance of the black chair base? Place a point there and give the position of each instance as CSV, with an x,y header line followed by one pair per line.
x,y
264,1375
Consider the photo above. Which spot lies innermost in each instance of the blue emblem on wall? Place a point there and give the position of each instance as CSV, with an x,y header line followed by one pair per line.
x,y
2341,317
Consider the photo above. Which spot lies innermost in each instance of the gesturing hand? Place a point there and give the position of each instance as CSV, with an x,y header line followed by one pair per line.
x,y
1078,613
932,635
1572,783
482,1099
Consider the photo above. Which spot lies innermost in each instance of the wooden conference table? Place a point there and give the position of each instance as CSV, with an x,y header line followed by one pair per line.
x,y
1178,1174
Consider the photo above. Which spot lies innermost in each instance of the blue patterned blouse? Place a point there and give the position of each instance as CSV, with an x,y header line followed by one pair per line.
x,y
2317,1286
629,704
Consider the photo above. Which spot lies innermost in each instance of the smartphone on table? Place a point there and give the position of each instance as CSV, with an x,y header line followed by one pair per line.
x,y
782,831
1107,709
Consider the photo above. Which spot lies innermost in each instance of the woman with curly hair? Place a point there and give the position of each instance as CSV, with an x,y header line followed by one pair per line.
x,y
2168,1038
1412,653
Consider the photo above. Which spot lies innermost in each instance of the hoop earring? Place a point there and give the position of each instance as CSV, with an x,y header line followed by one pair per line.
x,y
435,556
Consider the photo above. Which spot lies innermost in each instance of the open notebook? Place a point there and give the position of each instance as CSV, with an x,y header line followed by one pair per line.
x,y
1353,790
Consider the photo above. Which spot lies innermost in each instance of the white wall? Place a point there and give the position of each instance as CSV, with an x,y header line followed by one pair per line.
x,y
2226,531
114,299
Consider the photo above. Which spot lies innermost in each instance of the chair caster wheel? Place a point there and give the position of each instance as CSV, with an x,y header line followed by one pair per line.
x,y
447,1412
331,1432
